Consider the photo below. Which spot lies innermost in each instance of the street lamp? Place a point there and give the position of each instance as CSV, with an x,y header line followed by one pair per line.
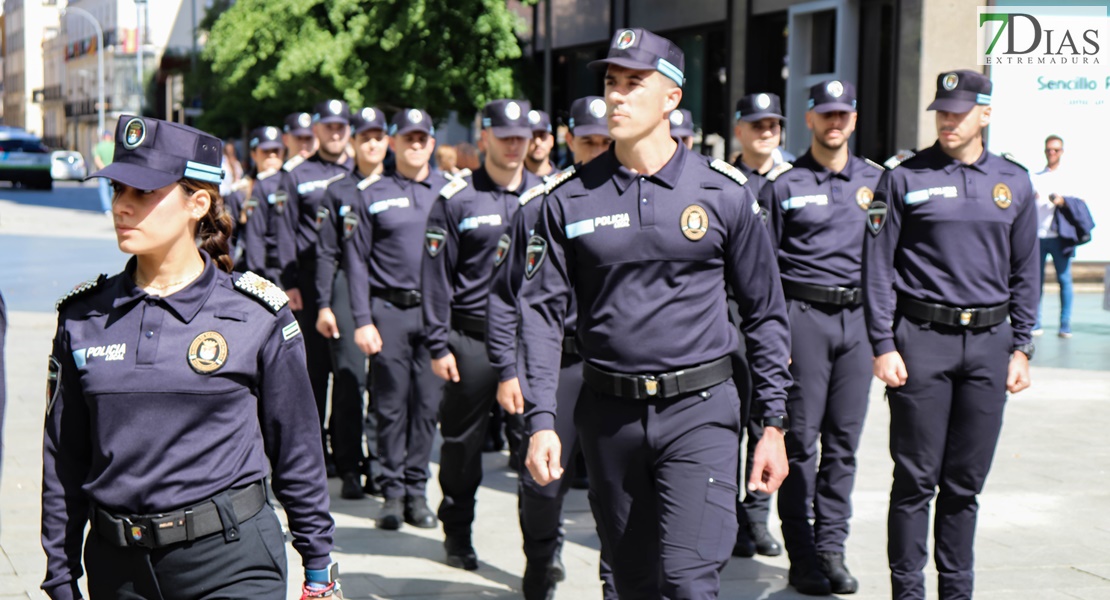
x,y
99,62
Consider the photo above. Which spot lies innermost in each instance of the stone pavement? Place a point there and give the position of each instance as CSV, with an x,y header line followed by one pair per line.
x,y
1043,529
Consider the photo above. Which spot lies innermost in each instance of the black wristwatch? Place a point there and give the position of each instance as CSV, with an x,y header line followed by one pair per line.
x,y
780,421
1027,349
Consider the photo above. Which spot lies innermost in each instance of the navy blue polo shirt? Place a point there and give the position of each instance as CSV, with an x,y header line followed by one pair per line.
x,y
336,204
647,257
260,250
162,403
962,235
304,185
818,218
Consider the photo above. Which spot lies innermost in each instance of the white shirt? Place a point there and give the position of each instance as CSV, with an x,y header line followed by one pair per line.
x,y
1044,183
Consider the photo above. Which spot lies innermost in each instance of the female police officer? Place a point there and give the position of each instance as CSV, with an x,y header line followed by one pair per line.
x,y
172,385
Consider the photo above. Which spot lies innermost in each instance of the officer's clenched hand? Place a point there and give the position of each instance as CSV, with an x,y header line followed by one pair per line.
x,y
509,396
325,324
368,340
295,302
445,368
544,450
769,466
1017,376
890,369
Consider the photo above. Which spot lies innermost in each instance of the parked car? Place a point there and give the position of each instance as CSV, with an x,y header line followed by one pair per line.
x,y
66,165
25,160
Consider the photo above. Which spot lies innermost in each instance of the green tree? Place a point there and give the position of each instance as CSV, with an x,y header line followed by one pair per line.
x,y
268,58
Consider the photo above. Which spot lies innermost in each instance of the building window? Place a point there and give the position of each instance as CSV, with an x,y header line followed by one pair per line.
x,y
822,46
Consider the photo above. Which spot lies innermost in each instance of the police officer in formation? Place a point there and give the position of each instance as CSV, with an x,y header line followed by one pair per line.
x,y
174,388
335,321
682,127
645,238
818,206
952,231
297,136
538,159
382,245
759,131
252,217
541,507
461,241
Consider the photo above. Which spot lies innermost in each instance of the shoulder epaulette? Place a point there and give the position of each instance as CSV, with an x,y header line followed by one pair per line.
x,y
293,163
268,173
1010,157
532,192
239,185
79,290
899,158
460,174
369,181
873,163
730,171
779,169
559,179
453,187
263,290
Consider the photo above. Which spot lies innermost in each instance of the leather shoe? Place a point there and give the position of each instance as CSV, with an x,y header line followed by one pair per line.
x,y
389,517
460,553
765,544
418,514
539,582
840,579
808,579
352,487
744,547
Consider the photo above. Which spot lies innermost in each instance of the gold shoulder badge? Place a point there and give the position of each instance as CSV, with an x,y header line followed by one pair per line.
x,y
261,289
264,175
207,352
559,179
899,158
453,187
694,222
1002,196
79,290
864,196
369,181
779,169
729,171
1010,157
873,163
293,163
532,192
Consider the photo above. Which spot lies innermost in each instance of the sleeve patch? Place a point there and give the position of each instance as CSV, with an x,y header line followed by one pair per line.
x,y
899,158
350,224
79,290
779,169
262,290
729,171
434,240
291,330
53,378
537,251
559,179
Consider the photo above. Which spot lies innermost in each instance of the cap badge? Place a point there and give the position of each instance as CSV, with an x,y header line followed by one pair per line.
x,y
207,352
626,39
134,133
368,114
512,111
762,101
676,118
950,81
864,196
272,133
694,222
1002,195
835,88
415,116
534,117
305,120
597,108
334,107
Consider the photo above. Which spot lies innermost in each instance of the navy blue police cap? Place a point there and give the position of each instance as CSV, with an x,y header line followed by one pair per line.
x,y
755,107
539,120
832,96
367,119
331,111
643,50
152,153
409,120
266,138
587,116
507,118
682,123
298,124
960,91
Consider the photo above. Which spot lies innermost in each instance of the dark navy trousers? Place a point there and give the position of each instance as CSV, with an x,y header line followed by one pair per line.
x,y
663,488
405,395
316,349
348,389
464,417
831,366
944,427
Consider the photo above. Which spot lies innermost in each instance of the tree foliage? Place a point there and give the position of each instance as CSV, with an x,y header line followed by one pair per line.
x,y
268,58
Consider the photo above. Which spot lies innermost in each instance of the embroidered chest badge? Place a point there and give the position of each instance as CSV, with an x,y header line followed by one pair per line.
x,y
694,222
207,352
1002,196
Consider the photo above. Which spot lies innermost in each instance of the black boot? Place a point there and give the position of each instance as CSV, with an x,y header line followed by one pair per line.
x,y
840,579
389,517
418,514
765,543
352,487
744,547
806,577
540,580
460,552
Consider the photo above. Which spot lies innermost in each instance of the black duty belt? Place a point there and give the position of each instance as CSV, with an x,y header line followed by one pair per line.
x,y
665,385
570,346
822,294
468,323
402,298
985,316
160,530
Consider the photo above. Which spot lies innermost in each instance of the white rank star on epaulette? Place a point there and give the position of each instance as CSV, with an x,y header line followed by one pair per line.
x,y
459,175
453,187
899,158
264,175
532,192
79,290
728,170
369,181
779,169
262,289
293,163
559,179
1010,157
873,163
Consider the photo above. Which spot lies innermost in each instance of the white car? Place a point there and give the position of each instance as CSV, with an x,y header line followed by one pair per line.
x,y
67,165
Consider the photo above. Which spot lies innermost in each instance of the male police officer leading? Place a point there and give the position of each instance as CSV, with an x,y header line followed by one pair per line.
x,y
646,237
953,232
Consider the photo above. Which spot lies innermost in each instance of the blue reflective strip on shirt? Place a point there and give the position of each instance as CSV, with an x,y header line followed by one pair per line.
x,y
79,357
580,228
800,201
917,196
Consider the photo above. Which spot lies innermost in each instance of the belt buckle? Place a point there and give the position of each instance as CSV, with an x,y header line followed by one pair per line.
x,y
965,317
137,534
850,295
651,385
